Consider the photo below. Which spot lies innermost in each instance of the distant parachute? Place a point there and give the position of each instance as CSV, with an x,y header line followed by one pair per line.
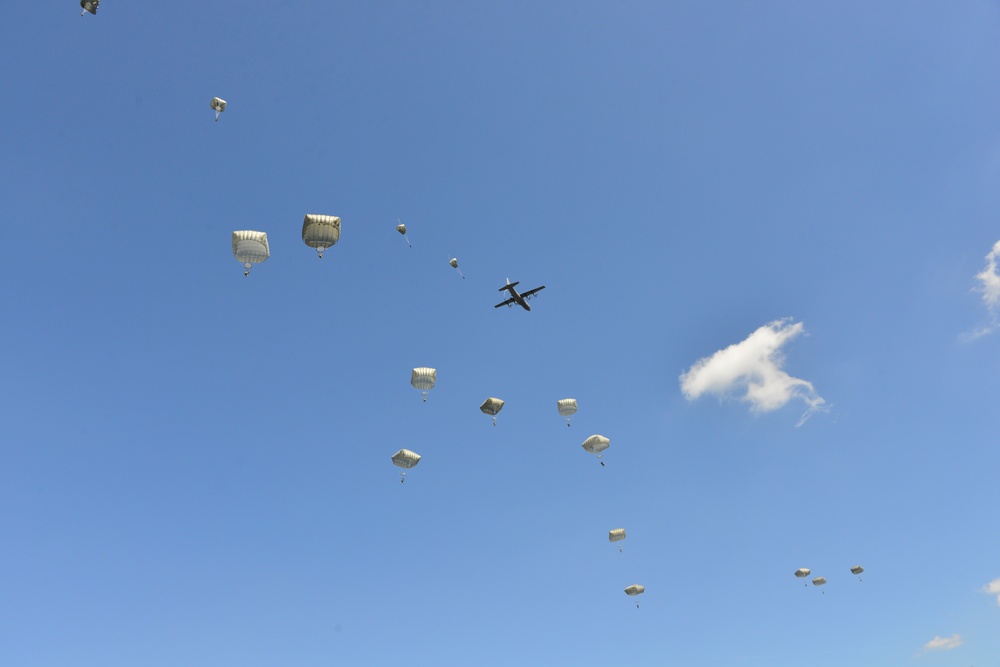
x,y
635,589
405,459
424,379
320,231
617,535
250,247
596,444
857,569
567,408
819,581
89,6
454,264
803,572
401,228
492,406
219,105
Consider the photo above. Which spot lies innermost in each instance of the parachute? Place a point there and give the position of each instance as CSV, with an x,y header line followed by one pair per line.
x,y
405,459
819,581
424,379
250,248
401,228
857,569
219,105
454,264
89,6
491,406
567,408
803,572
596,444
320,232
616,535
635,589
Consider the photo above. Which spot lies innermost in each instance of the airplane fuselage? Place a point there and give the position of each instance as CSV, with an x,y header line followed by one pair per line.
x,y
518,299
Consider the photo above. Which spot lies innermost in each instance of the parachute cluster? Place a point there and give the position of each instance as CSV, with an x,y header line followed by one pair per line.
x,y
804,572
424,379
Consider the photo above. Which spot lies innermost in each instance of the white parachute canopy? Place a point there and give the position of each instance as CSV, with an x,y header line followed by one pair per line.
x,y
320,231
492,406
424,379
454,264
616,535
635,589
857,569
219,105
401,228
819,581
596,444
802,572
567,408
249,248
89,6
405,459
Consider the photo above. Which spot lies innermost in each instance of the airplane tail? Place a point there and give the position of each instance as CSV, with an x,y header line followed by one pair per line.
x,y
509,285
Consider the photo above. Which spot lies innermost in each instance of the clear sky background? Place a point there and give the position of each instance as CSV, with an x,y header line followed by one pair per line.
x,y
195,466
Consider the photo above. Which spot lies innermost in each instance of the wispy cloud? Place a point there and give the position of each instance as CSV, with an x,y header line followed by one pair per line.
x,y
989,286
993,588
752,371
943,643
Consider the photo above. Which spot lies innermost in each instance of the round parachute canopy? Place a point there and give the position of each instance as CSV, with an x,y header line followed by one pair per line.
x,y
89,6
616,535
596,444
320,231
219,105
401,228
635,589
424,379
802,572
857,569
567,407
491,406
249,248
404,458
819,581
454,262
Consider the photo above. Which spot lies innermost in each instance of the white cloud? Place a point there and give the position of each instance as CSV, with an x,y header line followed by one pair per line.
x,y
989,279
944,643
993,588
753,368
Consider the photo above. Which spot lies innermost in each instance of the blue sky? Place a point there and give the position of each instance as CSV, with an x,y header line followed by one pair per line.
x,y
195,466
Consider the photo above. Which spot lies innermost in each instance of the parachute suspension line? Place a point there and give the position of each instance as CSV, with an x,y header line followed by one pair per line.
x,y
216,113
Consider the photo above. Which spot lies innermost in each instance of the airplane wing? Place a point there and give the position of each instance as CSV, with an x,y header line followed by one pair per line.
x,y
532,292
505,303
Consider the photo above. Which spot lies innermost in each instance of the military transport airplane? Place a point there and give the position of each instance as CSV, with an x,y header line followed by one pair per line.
x,y
519,299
